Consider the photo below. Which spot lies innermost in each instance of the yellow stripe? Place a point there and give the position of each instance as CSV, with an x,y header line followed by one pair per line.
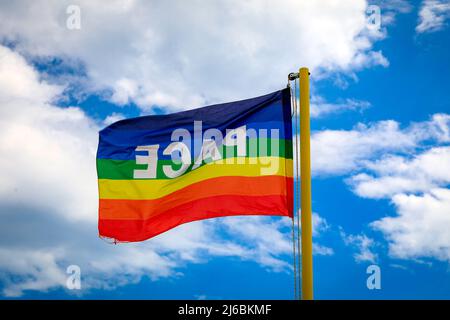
x,y
154,189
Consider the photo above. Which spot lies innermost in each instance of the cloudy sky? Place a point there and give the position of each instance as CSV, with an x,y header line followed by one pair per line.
x,y
380,143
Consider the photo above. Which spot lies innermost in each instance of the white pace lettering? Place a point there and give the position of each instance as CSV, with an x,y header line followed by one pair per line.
x,y
182,154
151,160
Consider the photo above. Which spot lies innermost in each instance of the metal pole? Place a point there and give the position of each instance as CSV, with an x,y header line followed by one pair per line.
x,y
305,178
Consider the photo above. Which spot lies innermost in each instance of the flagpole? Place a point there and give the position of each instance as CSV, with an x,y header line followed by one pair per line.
x,y
305,178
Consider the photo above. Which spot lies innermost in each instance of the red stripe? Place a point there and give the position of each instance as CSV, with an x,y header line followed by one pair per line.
x,y
212,207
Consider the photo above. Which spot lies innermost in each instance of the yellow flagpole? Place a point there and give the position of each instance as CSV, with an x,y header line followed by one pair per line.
x,y
305,178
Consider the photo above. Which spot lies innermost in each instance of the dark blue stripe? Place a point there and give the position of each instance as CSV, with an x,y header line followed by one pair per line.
x,y
272,111
127,152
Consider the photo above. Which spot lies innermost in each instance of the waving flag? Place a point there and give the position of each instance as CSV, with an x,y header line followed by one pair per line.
x,y
157,172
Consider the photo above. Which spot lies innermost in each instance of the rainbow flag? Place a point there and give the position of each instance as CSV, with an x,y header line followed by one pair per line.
x,y
157,172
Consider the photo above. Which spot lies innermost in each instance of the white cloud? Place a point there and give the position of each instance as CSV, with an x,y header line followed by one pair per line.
x,y
397,174
343,151
218,51
418,188
321,108
338,152
420,228
124,89
319,224
433,15
437,129
363,245
18,81
113,117
46,151
38,270
321,250
408,166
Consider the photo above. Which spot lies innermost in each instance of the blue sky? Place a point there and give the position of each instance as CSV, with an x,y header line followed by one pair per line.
x,y
380,146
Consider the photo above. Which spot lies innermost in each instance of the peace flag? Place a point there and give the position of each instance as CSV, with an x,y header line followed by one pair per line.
x,y
160,171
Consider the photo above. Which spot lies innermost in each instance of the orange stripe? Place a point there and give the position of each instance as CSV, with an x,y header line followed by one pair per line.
x,y
117,209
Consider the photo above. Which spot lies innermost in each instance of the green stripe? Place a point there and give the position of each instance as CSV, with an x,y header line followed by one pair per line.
x,y
123,169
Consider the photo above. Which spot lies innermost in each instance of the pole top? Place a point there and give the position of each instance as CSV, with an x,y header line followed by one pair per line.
x,y
304,70
295,75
